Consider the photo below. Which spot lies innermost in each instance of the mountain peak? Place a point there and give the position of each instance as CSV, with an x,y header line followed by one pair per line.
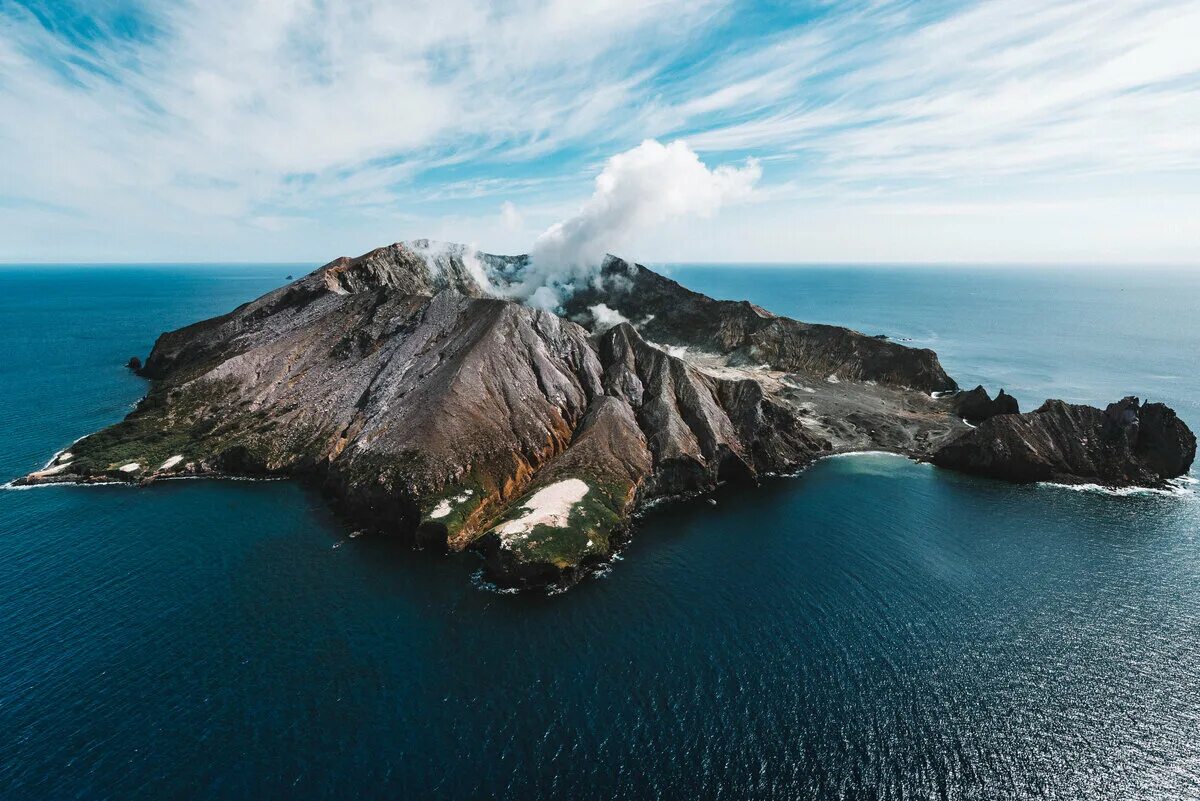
x,y
424,267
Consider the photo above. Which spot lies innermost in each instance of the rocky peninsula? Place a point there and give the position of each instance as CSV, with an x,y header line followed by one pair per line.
x,y
425,402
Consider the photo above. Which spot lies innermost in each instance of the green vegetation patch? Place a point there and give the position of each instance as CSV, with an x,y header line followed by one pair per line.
x,y
203,420
166,423
140,440
395,473
454,506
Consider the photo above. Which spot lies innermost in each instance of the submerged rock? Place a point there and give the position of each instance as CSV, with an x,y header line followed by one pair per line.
x,y
1126,444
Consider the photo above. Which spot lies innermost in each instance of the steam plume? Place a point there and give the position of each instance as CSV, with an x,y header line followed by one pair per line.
x,y
640,188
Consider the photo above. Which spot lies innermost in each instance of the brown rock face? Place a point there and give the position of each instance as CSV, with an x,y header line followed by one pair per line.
x,y
1127,444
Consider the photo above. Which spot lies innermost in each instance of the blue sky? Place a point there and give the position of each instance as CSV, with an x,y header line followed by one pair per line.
x,y
1017,131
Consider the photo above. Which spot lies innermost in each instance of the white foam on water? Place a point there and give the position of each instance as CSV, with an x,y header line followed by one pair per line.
x,y
480,583
11,486
202,477
209,477
849,454
1175,488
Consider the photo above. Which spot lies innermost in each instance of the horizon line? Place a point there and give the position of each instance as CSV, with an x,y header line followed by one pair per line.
x,y
651,263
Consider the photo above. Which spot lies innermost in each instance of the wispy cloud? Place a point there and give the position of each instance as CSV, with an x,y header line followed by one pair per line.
x,y
300,128
231,109
999,88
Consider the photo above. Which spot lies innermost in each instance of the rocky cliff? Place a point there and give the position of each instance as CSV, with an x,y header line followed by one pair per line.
x,y
976,405
426,403
1125,444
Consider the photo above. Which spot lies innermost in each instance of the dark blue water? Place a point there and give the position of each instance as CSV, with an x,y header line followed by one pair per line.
x,y
871,629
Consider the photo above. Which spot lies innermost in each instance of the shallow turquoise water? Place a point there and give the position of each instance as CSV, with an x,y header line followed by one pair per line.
x,y
870,629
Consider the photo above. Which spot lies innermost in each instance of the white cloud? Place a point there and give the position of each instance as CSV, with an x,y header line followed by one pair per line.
x,y
643,187
998,89
605,317
307,128
510,215
234,111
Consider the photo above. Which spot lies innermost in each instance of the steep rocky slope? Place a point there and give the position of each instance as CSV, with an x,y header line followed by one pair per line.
x,y
426,403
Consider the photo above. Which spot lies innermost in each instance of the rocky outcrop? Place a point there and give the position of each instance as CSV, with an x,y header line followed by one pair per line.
x,y
976,405
426,403
1126,444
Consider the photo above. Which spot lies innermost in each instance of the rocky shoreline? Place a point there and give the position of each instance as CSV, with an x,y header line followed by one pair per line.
x,y
425,403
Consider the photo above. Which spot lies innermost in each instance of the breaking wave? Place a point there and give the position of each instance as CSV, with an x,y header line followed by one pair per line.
x,y
1175,487
480,583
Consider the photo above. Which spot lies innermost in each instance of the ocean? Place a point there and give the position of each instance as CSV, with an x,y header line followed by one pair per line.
x,y
871,628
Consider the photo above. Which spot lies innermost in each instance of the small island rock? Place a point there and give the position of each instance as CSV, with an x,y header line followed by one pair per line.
x,y
1126,444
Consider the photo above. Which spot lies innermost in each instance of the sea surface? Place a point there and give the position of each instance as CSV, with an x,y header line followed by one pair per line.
x,y
872,628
